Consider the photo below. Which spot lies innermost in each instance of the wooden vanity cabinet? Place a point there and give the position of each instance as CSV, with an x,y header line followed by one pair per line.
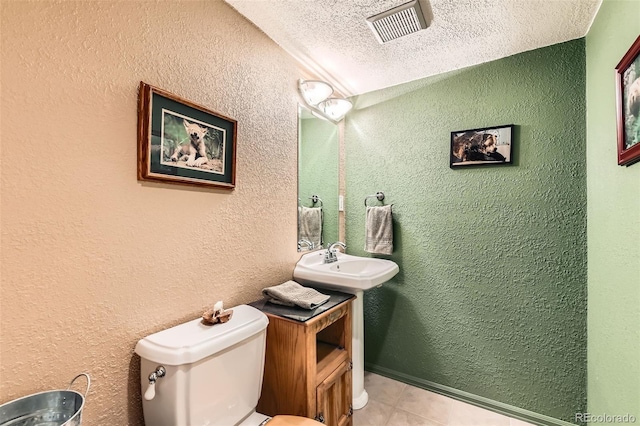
x,y
308,367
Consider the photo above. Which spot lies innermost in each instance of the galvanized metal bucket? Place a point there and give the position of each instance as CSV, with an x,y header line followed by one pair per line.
x,y
51,408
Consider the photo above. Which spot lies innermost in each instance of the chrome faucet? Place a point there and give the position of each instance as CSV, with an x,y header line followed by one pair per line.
x,y
308,243
330,256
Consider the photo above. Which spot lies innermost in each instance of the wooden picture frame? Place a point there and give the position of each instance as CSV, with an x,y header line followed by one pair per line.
x,y
184,143
628,105
480,147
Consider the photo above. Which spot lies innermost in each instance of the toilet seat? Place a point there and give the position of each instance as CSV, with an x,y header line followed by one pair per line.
x,y
292,421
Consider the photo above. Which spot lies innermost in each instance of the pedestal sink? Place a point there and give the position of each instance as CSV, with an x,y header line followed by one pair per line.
x,y
349,274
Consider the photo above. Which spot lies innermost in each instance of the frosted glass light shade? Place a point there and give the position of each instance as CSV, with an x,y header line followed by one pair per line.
x,y
335,108
314,91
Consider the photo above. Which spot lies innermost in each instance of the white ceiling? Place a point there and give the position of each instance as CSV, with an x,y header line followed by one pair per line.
x,y
332,40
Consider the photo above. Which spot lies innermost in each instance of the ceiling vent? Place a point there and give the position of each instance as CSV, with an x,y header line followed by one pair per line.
x,y
399,21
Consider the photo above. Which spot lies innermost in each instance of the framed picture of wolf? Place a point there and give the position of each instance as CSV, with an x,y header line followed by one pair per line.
x,y
628,105
182,142
479,147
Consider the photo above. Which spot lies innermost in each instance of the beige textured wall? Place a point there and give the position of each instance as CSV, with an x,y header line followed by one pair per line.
x,y
93,260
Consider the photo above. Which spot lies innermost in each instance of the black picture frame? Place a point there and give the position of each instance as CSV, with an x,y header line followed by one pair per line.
x,y
184,143
481,147
628,105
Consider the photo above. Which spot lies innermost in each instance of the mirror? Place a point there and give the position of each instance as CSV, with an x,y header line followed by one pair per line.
x,y
317,181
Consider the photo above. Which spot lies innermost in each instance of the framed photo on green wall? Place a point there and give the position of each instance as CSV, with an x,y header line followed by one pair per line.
x,y
485,146
628,105
182,142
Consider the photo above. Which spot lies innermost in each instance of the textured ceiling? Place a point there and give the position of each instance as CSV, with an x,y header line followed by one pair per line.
x,y
331,37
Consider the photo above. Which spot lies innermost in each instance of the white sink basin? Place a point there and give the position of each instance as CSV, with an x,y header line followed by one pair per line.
x,y
348,273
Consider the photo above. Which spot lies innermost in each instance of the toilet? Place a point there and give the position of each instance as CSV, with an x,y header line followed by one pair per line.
x,y
195,374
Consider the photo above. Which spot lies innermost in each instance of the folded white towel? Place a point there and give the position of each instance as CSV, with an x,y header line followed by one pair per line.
x,y
291,293
310,224
379,230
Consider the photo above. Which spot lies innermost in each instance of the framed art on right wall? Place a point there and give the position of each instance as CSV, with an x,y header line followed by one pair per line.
x,y
628,105
479,147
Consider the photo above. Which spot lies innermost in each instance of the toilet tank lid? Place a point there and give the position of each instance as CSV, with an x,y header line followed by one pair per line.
x,y
190,342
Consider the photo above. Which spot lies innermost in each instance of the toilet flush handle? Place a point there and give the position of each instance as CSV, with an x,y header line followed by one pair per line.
x,y
153,377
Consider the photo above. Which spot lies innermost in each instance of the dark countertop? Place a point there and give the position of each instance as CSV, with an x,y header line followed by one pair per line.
x,y
300,314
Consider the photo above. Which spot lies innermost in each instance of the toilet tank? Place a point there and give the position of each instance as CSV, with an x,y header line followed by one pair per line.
x,y
213,373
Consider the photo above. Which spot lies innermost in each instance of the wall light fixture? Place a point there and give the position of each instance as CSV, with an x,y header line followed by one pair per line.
x,y
314,91
335,108
316,95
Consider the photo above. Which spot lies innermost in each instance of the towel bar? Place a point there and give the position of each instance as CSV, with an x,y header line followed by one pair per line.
x,y
314,199
379,195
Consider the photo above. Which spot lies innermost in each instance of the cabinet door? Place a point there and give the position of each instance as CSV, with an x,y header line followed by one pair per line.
x,y
333,397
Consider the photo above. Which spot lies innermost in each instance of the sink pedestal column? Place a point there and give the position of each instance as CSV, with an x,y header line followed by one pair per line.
x,y
360,395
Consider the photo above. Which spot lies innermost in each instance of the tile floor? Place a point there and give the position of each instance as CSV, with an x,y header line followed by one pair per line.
x,y
397,404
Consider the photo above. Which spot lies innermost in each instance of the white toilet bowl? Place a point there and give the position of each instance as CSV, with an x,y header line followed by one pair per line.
x,y
195,374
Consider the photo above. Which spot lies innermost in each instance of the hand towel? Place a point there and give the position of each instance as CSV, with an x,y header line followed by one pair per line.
x,y
310,224
291,293
379,230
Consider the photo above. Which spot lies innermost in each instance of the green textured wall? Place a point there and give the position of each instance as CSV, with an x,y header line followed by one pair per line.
x,y
318,170
491,294
613,194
